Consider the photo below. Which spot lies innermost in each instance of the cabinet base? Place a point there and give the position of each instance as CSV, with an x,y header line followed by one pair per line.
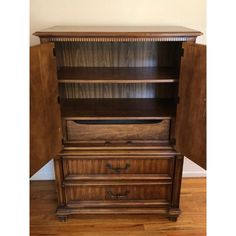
x,y
63,212
62,218
172,218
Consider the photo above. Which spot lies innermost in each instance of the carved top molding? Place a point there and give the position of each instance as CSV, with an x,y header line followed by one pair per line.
x,y
117,33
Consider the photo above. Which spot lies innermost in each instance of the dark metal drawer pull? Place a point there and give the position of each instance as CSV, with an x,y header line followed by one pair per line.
x,y
118,195
117,169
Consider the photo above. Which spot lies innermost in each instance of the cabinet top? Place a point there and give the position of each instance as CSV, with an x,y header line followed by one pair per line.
x,y
119,32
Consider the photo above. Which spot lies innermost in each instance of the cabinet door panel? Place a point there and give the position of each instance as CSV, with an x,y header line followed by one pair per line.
x,y
45,134
191,110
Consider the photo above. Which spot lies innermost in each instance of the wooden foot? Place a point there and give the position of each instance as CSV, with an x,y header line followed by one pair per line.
x,y
172,218
173,214
62,218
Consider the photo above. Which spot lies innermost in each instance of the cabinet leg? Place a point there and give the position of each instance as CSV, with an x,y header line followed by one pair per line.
x,y
62,218
172,218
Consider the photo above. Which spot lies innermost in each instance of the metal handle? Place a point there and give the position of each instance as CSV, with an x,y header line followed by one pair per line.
x,y
117,170
118,195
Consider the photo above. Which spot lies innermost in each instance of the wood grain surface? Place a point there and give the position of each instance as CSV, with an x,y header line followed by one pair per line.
x,y
117,75
45,133
122,109
118,90
130,32
117,54
78,131
127,193
146,51
192,221
191,110
117,62
115,167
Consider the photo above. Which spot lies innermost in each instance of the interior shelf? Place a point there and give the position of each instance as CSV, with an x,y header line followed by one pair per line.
x,y
118,108
117,75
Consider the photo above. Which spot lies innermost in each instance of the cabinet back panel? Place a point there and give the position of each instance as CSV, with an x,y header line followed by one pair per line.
x,y
118,90
118,54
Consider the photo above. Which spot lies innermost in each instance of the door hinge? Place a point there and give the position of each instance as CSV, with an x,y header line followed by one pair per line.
x,y
58,99
54,52
182,52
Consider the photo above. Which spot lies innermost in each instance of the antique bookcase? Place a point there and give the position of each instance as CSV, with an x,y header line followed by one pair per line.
x,y
117,108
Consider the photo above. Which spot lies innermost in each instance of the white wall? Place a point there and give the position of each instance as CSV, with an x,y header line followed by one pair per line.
x,y
47,13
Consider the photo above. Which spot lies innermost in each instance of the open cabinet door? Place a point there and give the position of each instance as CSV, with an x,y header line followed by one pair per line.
x,y
191,110
45,131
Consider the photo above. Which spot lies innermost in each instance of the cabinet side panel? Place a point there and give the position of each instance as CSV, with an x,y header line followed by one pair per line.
x,y
59,181
177,181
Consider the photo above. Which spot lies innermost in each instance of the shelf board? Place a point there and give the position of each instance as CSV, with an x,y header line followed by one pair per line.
x,y
118,108
117,75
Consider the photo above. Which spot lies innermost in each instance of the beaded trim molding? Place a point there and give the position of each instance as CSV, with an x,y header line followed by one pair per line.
x,y
115,39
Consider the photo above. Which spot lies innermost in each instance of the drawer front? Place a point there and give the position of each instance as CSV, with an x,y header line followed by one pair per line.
x,y
158,192
118,166
115,130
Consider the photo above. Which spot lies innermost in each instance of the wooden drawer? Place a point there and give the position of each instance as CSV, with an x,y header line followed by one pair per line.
x,y
125,130
126,167
102,193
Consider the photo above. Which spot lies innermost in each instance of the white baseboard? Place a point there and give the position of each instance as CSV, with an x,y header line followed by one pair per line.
x,y
45,173
190,169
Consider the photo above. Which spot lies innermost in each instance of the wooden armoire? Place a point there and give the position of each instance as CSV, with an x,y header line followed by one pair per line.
x,y
117,108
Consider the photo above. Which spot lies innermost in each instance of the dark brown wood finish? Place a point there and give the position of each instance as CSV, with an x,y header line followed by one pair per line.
x,y
119,33
191,223
78,168
118,98
191,111
59,174
141,191
117,54
45,134
117,90
117,75
110,69
110,131
110,151
110,109
121,66
174,210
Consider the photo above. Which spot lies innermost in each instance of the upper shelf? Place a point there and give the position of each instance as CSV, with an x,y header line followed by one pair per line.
x,y
117,75
118,33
